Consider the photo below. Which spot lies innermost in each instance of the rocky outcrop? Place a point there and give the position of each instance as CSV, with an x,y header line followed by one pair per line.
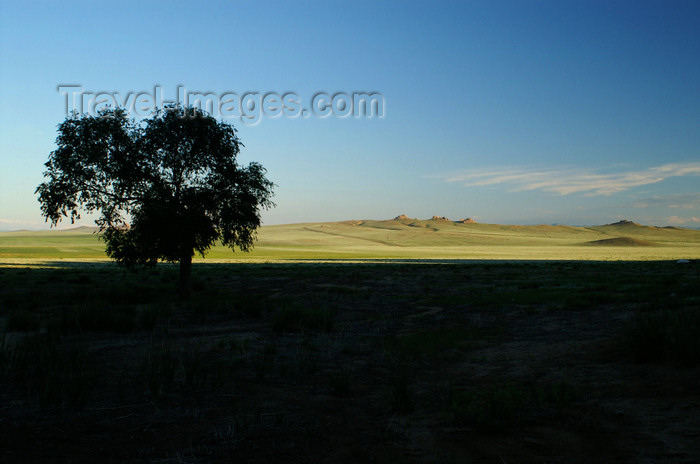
x,y
624,222
403,217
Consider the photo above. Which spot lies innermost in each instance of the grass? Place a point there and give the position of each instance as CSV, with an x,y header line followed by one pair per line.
x,y
97,316
503,403
431,342
400,390
455,350
52,373
491,407
559,394
202,369
25,321
340,381
151,315
295,318
401,240
189,368
665,335
265,361
160,365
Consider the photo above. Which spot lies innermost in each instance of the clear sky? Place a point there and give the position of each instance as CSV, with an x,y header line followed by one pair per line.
x,y
520,112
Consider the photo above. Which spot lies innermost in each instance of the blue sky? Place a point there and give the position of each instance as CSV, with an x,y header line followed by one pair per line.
x,y
575,112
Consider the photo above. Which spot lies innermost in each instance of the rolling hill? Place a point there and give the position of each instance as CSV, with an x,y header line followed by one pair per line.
x,y
402,238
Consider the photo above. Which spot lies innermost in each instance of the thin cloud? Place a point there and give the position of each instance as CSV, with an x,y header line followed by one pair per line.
x,y
679,201
11,221
682,220
566,182
13,224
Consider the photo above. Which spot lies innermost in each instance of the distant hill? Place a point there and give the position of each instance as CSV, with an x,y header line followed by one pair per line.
x,y
70,230
404,237
620,241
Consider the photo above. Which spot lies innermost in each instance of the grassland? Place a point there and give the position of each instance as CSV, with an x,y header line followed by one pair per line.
x,y
358,341
452,362
402,239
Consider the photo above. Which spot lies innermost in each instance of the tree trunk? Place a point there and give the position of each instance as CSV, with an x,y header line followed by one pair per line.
x,y
186,275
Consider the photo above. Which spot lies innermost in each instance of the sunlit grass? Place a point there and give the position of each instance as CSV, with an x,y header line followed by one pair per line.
x,y
396,240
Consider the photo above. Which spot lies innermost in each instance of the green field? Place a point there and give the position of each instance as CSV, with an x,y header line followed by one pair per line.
x,y
401,239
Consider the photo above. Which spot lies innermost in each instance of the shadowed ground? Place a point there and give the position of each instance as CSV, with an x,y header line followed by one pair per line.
x,y
357,362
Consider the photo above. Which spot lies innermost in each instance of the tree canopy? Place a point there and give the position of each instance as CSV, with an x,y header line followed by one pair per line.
x,y
164,188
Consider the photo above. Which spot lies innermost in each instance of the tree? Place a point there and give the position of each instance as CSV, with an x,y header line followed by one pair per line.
x,y
164,188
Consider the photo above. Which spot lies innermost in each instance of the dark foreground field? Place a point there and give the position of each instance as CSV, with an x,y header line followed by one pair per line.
x,y
558,362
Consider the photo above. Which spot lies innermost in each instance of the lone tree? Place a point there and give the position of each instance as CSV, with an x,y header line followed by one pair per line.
x,y
164,188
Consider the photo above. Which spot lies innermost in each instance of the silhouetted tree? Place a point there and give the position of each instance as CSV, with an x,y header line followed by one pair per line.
x,y
164,188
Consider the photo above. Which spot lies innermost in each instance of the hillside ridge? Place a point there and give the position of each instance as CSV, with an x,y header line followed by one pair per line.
x,y
403,219
403,237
